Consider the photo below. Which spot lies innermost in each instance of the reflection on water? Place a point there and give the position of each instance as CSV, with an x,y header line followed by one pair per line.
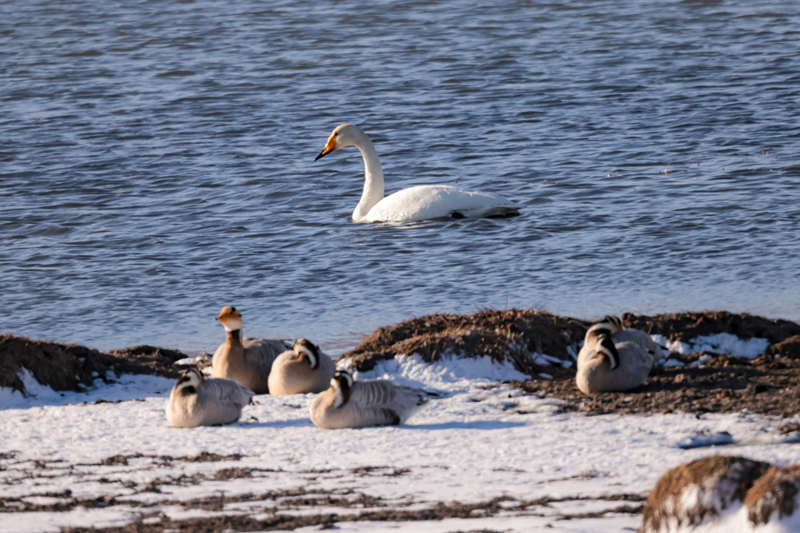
x,y
157,163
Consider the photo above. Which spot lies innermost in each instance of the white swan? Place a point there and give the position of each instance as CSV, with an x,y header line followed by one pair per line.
x,y
415,203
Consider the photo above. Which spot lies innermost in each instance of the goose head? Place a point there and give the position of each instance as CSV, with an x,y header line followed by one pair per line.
x,y
604,347
341,382
343,135
231,318
306,349
189,381
610,323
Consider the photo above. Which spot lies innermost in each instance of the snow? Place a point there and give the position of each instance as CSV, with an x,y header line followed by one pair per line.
x,y
480,440
717,343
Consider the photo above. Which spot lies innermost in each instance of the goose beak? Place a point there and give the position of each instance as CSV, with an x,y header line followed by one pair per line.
x,y
329,147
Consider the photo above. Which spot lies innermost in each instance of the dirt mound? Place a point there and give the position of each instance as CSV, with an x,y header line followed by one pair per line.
x,y
64,367
788,348
723,384
513,334
728,478
698,492
147,360
70,367
774,493
686,326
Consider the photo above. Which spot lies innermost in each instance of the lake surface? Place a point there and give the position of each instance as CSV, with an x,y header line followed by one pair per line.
x,y
157,163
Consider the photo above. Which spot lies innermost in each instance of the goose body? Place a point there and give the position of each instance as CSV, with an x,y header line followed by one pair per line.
x,y
615,359
301,370
355,404
247,361
416,203
196,401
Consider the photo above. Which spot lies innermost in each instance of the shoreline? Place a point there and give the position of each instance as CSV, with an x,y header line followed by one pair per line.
x,y
539,344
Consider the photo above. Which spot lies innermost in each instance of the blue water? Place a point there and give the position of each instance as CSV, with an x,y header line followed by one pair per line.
x,y
157,163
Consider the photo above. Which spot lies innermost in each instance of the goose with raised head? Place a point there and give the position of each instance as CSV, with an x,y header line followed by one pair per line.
x,y
247,361
197,401
301,370
356,404
415,203
614,358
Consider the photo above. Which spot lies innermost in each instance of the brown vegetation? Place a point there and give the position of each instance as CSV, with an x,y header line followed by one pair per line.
x,y
728,477
70,367
775,492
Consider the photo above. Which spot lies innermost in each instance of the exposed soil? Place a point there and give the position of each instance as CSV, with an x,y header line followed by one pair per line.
x,y
728,476
70,367
513,333
723,384
766,385
695,493
440,511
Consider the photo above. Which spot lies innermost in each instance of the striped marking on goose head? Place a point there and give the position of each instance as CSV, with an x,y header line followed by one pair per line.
x,y
342,382
306,348
189,381
606,347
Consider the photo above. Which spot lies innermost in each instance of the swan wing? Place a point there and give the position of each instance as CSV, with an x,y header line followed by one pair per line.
x,y
435,201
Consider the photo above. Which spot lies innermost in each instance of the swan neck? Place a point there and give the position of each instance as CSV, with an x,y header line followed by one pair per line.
x,y
373,182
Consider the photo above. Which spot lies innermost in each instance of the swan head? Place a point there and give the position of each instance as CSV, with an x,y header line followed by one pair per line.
x,y
343,135
231,318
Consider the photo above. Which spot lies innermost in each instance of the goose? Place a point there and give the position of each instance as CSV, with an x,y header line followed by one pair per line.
x,y
301,370
247,361
615,359
415,203
196,401
356,404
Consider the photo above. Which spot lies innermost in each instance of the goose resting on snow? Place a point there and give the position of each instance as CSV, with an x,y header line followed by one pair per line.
x,y
301,370
356,404
415,203
196,401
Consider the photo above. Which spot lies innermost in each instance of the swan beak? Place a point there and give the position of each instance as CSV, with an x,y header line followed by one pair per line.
x,y
329,147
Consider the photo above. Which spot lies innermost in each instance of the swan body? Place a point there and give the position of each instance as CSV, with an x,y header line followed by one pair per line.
x,y
247,361
301,370
416,203
614,359
355,404
196,401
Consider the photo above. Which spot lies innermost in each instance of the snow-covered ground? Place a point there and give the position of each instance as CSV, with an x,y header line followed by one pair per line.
x,y
517,462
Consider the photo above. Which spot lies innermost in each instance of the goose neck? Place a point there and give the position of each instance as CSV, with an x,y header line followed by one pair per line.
x,y
234,338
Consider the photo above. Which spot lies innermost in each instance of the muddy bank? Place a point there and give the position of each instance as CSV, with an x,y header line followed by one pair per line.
x,y
707,382
723,384
70,367
519,334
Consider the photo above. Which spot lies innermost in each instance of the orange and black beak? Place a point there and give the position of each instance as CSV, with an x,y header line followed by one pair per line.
x,y
329,147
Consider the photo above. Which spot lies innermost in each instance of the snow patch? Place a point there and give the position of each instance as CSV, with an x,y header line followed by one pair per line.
x,y
127,387
451,373
718,343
